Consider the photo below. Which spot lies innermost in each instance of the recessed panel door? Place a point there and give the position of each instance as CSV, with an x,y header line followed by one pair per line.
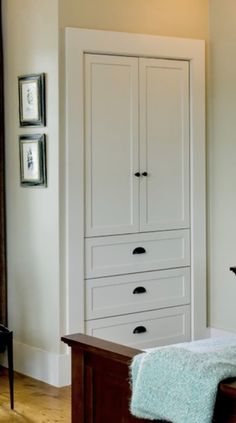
x,y
164,144
111,145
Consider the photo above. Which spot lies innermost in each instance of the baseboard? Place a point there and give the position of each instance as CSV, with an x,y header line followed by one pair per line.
x,y
54,369
215,333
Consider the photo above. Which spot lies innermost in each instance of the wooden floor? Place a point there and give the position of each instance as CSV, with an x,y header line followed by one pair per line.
x,y
34,401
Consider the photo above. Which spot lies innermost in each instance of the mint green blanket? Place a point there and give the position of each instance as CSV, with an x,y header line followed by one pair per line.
x,y
179,383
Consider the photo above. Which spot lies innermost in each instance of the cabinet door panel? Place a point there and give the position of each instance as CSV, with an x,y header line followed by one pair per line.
x,y
164,144
111,145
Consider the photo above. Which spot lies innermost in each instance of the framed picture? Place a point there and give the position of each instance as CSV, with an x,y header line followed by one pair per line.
x,y
33,160
32,109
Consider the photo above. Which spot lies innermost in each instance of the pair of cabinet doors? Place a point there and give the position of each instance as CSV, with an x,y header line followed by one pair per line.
x,y
137,153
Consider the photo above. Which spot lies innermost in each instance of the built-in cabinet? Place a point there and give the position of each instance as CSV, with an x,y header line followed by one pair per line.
x,y
135,261
137,199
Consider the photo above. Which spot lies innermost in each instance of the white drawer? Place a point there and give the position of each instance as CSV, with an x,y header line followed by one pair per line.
x,y
112,296
144,330
115,255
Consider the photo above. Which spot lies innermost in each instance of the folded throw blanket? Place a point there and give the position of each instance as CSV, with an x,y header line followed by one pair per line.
x,y
179,383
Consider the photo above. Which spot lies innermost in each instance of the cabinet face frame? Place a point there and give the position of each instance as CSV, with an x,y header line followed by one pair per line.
x,y
78,42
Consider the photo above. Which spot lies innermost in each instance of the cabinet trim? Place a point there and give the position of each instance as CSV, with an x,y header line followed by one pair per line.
x,y
79,41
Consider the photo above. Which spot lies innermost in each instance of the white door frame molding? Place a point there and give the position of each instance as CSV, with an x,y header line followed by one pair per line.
x,y
78,42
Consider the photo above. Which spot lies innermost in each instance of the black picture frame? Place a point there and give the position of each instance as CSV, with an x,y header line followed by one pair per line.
x,y
32,105
33,171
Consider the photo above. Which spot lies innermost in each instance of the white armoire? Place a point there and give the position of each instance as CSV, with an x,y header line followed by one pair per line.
x,y
135,200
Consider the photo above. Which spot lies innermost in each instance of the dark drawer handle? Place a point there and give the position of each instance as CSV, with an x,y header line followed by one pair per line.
x,y
233,269
140,329
138,174
139,290
145,174
139,250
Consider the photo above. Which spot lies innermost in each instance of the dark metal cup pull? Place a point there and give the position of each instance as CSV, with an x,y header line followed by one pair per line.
x,y
233,269
140,329
145,174
139,290
139,250
137,174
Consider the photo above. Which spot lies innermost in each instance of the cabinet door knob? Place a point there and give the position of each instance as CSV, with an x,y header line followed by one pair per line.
x,y
145,174
233,269
140,329
139,250
139,290
137,174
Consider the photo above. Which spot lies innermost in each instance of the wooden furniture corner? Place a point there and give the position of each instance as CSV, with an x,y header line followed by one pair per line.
x,y
101,387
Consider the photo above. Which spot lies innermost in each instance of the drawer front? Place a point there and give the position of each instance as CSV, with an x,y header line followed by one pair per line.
x,y
144,330
136,253
112,296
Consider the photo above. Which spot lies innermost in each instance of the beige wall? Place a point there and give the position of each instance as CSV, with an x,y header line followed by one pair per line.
x,y
180,18
222,164
30,32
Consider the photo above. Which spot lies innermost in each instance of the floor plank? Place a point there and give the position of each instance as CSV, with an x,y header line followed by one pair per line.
x,y
35,401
